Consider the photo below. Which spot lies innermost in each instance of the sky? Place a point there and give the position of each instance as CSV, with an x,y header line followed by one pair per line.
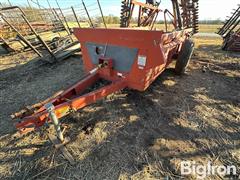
x,y
208,9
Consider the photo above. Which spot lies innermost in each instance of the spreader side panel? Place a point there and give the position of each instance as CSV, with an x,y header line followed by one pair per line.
x,y
123,57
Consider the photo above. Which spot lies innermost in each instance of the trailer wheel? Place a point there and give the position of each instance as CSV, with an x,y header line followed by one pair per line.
x,y
184,56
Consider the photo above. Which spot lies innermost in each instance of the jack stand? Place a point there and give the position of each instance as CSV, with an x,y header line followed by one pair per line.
x,y
59,141
50,108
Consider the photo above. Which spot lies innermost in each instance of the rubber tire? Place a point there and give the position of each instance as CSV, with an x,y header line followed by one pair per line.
x,y
184,57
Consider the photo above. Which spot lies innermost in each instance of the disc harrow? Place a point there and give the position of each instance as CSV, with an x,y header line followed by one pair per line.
x,y
190,14
147,14
230,32
149,11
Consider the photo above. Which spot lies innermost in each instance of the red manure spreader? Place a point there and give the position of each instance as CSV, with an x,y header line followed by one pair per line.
x,y
124,57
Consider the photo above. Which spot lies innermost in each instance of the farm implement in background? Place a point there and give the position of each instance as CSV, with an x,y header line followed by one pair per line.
x,y
147,14
46,31
38,30
230,32
190,14
183,15
121,58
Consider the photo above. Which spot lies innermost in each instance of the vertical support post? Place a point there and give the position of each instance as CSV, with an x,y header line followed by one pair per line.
x,y
50,108
74,13
87,14
130,14
154,20
55,17
64,18
100,8
139,16
180,24
55,12
174,12
165,21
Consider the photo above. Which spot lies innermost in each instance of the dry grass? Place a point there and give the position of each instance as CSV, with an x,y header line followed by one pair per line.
x,y
203,28
129,134
209,28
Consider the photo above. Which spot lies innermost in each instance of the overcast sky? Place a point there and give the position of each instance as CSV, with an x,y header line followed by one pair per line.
x,y
209,9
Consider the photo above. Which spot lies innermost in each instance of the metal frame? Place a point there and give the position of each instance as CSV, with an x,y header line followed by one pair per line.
x,y
59,24
167,12
230,24
231,32
158,50
128,7
21,36
5,45
31,31
184,14
189,13
63,105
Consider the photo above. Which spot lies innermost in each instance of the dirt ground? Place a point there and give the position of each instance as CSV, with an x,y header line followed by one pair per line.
x,y
128,135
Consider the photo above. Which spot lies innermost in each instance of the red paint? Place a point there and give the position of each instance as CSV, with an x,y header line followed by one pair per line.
x,y
157,46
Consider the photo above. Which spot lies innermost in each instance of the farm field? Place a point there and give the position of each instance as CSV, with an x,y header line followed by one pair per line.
x,y
128,134
203,28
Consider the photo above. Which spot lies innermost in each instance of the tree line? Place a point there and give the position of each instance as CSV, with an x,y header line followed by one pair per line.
x,y
111,19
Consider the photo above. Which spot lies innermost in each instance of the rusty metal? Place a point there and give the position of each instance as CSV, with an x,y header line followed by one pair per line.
x,y
32,22
183,16
147,13
21,36
230,32
43,34
190,14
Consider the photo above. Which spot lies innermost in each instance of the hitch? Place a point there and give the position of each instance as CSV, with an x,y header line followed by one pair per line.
x,y
70,100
